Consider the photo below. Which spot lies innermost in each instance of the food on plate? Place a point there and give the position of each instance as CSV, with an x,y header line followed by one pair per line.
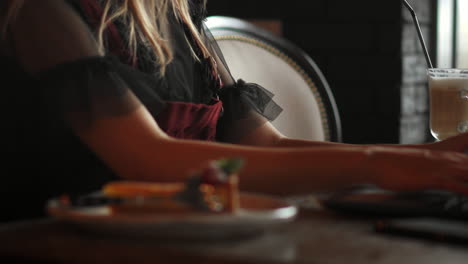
x,y
214,188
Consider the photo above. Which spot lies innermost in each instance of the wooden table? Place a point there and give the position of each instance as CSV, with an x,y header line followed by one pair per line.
x,y
317,236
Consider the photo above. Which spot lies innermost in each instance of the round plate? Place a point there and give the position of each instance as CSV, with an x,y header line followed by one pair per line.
x,y
258,213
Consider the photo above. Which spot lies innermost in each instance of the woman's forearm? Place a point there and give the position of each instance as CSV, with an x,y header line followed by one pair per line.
x,y
300,143
136,148
290,142
266,169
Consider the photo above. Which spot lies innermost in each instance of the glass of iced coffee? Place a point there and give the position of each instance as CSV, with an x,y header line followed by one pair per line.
x,y
448,90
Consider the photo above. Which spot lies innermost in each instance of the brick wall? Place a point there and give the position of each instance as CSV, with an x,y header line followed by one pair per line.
x,y
414,93
357,45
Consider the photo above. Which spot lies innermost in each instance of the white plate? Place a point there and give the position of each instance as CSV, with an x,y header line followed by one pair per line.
x,y
258,213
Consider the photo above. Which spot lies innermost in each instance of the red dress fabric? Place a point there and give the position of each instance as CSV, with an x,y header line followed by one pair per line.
x,y
190,121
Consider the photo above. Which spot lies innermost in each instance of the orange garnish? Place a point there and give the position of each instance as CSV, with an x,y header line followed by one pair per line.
x,y
145,189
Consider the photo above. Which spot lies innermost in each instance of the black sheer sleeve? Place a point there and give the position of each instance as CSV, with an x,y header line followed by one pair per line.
x,y
89,89
246,105
79,83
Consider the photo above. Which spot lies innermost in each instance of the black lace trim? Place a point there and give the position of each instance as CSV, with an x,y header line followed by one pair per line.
x,y
243,97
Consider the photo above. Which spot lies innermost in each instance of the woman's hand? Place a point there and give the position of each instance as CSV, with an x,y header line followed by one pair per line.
x,y
458,143
416,169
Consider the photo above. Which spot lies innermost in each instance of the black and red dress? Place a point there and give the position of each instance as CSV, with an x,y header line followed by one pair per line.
x,y
41,109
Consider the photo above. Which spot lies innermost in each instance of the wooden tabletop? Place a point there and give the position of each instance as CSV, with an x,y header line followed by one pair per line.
x,y
317,236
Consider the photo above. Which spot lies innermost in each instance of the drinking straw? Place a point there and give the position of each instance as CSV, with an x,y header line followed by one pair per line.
x,y
418,28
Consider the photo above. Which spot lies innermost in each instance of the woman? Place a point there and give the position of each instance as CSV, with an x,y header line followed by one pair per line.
x,y
129,89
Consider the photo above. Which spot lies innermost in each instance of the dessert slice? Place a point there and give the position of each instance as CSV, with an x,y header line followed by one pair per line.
x,y
214,188
222,175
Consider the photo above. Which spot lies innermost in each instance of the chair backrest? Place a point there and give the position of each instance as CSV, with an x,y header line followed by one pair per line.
x,y
256,55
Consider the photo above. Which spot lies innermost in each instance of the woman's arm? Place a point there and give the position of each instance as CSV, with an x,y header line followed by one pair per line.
x,y
142,151
268,135
137,149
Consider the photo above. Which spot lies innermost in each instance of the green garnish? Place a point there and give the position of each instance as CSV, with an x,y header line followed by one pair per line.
x,y
230,165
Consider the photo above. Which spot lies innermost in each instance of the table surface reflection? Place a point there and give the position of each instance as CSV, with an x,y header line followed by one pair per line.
x,y
317,236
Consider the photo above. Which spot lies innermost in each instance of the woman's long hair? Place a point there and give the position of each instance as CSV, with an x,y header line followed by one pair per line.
x,y
146,22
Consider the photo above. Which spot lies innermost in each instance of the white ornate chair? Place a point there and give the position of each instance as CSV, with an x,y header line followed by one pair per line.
x,y
300,88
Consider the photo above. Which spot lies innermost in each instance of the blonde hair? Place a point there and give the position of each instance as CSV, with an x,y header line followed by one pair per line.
x,y
146,22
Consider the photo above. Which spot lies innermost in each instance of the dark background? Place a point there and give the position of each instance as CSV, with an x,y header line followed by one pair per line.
x,y
357,45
